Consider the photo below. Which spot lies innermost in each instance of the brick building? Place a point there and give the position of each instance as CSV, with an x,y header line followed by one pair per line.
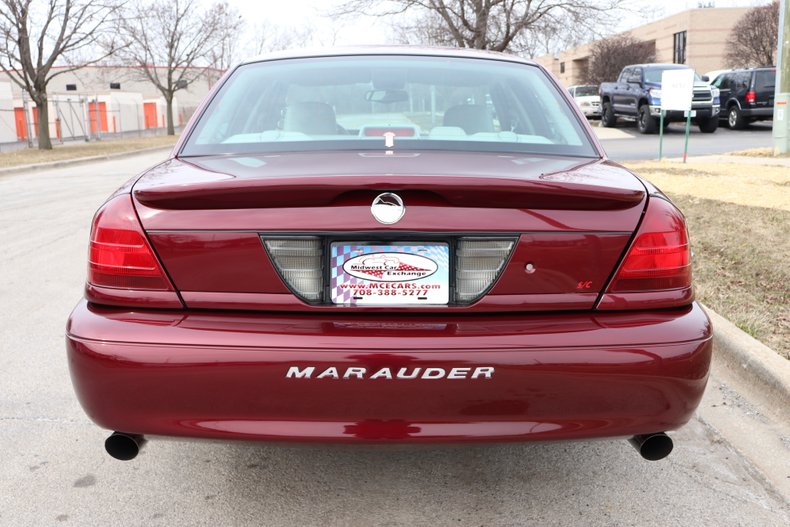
x,y
696,37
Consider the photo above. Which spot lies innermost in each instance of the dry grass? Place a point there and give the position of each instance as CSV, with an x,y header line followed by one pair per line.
x,y
31,156
756,152
750,185
740,265
739,220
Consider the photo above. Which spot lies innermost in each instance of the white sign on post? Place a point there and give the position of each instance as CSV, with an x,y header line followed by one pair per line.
x,y
677,88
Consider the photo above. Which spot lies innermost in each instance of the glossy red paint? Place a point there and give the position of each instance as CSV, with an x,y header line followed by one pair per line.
x,y
231,270
223,375
211,261
565,194
571,357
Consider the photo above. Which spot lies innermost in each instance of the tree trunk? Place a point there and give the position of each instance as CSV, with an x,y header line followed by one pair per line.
x,y
42,109
171,129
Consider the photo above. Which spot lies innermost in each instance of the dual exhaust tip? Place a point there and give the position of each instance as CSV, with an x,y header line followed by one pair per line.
x,y
652,447
123,446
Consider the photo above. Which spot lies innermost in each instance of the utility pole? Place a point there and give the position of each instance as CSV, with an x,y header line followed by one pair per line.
x,y
781,131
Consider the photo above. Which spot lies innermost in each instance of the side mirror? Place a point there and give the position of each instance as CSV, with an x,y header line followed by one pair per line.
x,y
705,78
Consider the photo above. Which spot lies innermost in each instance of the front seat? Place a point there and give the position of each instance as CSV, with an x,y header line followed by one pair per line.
x,y
472,118
312,117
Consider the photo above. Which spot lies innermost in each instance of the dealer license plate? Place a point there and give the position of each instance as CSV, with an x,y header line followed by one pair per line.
x,y
404,273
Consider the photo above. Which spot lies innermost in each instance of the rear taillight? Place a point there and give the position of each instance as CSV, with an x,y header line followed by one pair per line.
x,y
120,256
659,258
299,261
479,261
751,96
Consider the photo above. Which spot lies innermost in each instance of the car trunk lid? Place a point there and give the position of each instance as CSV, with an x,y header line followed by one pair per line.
x,y
569,220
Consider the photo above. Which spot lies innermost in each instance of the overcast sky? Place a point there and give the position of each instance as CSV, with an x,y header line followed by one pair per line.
x,y
370,30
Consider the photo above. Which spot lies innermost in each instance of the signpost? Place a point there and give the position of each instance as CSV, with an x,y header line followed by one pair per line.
x,y
677,89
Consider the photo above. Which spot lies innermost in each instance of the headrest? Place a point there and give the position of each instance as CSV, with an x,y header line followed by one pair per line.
x,y
472,118
312,117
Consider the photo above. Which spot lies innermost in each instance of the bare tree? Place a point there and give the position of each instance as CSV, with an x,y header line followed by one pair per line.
x,y
753,38
487,24
269,37
172,43
225,53
610,55
37,36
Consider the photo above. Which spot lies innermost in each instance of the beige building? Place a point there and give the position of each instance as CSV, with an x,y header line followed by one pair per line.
x,y
696,37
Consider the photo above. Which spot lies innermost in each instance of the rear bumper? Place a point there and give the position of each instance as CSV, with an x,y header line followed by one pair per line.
x,y
758,113
225,375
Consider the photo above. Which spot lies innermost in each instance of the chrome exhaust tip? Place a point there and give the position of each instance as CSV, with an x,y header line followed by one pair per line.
x,y
652,446
123,446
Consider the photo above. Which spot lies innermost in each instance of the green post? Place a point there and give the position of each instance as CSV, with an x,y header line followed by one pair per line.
x,y
688,130
661,135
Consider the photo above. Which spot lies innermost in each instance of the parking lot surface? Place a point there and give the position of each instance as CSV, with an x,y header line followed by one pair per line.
x,y
625,143
55,471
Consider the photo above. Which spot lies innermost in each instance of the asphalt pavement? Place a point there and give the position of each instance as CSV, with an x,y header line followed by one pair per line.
x,y
625,143
55,471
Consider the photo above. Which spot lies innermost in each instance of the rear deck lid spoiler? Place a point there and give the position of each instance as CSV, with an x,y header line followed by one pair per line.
x,y
329,178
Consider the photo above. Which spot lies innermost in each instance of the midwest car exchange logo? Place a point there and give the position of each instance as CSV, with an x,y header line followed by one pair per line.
x,y
390,267
359,372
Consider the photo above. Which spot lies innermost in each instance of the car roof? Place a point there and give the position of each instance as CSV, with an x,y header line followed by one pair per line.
x,y
663,66
746,70
762,68
416,51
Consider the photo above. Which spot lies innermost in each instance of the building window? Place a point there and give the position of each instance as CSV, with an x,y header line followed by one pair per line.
x,y
71,87
562,67
679,49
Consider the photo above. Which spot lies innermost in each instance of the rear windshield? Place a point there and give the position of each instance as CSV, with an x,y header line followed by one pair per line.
x,y
654,75
393,102
764,79
584,91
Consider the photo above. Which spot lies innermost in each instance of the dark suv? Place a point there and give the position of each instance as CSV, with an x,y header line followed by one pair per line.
x,y
746,95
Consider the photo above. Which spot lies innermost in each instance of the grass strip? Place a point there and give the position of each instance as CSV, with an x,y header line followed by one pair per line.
x,y
33,156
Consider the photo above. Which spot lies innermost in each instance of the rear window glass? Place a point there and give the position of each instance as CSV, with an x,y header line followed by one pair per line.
x,y
401,102
584,91
764,79
654,75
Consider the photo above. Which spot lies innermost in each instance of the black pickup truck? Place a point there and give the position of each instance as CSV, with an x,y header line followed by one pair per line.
x,y
637,96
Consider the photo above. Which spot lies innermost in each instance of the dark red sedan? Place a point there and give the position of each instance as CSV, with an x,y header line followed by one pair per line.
x,y
389,245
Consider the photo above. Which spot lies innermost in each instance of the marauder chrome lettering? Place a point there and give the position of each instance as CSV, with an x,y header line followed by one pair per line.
x,y
358,372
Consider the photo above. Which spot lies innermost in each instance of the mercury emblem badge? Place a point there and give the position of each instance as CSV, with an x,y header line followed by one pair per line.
x,y
388,208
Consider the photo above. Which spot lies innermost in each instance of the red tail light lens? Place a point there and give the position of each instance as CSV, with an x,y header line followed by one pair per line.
x,y
659,258
751,97
120,256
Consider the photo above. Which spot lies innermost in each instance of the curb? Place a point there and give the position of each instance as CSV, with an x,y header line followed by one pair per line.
x,y
752,361
78,161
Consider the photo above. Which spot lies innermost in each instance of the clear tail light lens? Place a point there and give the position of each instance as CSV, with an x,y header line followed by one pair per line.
x,y
299,262
479,261
660,257
120,256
